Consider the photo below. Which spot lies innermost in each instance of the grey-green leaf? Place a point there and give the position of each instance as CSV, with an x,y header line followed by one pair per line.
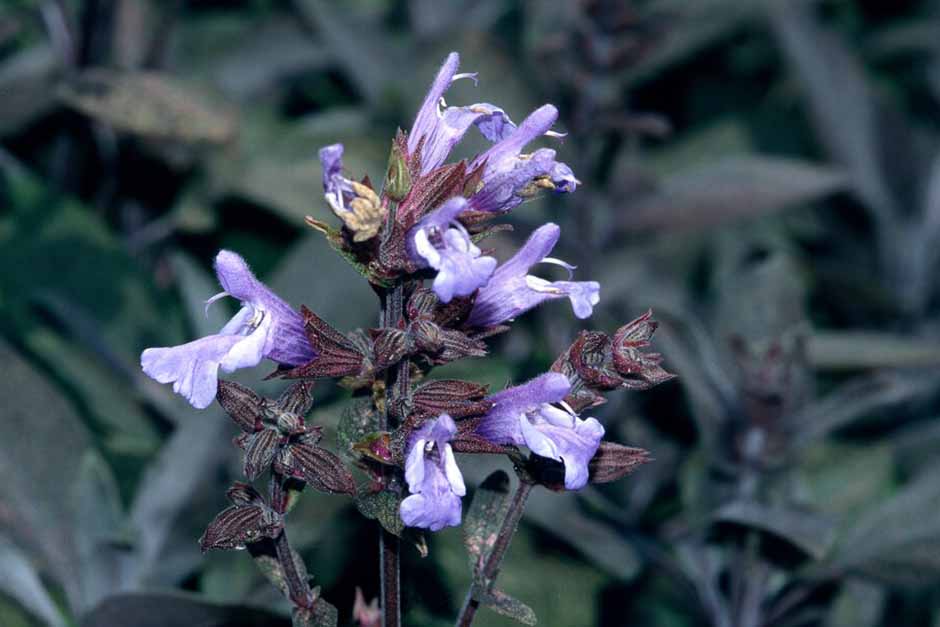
x,y
503,604
322,614
176,610
735,188
805,530
484,518
383,507
20,581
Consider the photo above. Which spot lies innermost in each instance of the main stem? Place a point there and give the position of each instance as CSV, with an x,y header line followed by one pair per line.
x,y
495,559
396,384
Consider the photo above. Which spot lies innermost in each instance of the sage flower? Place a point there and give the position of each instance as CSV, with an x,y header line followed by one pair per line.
x,y
337,189
512,291
265,326
510,177
439,241
438,128
433,477
526,416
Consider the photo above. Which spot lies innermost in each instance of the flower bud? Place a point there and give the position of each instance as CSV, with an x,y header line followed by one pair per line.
x,y
397,176
613,461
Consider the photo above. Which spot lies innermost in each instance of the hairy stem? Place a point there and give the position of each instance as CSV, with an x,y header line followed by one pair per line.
x,y
397,382
297,586
491,568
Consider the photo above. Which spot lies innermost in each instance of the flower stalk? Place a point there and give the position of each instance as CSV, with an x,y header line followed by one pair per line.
x,y
490,569
297,586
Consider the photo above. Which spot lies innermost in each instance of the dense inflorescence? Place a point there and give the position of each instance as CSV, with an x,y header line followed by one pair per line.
x,y
424,224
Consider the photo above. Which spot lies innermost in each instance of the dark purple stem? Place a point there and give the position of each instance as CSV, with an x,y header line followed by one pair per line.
x,y
490,569
397,382
297,586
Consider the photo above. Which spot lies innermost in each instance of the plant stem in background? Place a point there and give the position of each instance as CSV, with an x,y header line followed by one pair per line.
x,y
491,568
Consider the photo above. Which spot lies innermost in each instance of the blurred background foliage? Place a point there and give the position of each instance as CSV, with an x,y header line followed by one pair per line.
x,y
764,174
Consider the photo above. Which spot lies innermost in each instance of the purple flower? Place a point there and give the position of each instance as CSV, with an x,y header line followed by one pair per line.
x,y
265,326
439,241
524,416
337,189
511,291
434,480
510,177
438,128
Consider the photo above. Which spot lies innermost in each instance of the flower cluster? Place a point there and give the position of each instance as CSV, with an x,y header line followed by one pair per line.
x,y
424,224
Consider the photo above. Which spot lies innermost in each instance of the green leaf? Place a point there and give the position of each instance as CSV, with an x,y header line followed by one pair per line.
x,y
176,610
21,582
322,614
858,604
485,517
859,350
27,81
358,420
270,567
183,466
102,540
80,273
840,100
731,189
227,577
805,530
694,27
842,480
529,572
149,104
111,405
275,167
505,605
40,468
382,506
858,398
562,515
371,59
894,540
